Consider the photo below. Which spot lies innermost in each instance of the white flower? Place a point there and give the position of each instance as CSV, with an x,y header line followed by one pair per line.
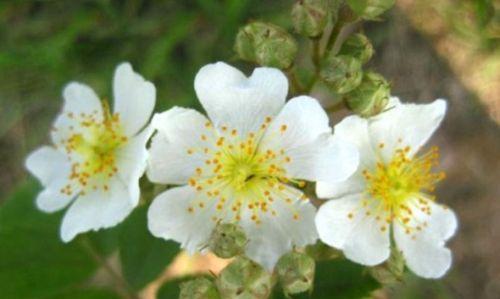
x,y
390,190
243,164
98,156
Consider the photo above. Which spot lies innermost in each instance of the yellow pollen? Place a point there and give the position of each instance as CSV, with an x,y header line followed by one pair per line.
x,y
238,173
92,149
402,185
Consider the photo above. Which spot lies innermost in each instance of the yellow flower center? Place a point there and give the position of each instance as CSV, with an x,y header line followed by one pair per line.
x,y
403,186
92,150
238,173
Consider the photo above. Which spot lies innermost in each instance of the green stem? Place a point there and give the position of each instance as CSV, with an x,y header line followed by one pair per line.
x,y
297,87
124,289
333,36
316,53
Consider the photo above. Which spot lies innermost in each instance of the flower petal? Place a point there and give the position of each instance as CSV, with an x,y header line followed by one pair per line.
x,y
406,125
231,99
424,249
80,101
134,98
52,169
352,129
280,233
302,131
344,224
46,164
178,146
169,217
96,210
132,161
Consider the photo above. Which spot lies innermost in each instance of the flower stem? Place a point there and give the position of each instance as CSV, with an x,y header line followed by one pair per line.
x,y
123,288
296,85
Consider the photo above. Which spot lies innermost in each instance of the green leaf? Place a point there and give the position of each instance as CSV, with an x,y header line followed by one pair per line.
x,y
143,256
86,294
338,279
34,262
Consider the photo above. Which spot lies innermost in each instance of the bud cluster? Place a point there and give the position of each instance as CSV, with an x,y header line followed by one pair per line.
x,y
371,96
244,279
296,273
370,9
310,17
266,44
227,240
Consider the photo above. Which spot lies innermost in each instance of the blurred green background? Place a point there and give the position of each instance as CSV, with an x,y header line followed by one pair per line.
x,y
426,49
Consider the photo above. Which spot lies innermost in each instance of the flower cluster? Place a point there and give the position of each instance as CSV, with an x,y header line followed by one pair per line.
x,y
243,169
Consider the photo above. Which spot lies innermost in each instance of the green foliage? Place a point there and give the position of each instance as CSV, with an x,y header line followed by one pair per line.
x,y
34,263
143,256
86,294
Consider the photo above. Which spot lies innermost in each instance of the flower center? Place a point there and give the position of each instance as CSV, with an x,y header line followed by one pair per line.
x,y
92,150
402,186
238,173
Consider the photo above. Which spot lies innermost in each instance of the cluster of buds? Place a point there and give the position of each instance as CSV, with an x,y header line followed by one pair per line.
x,y
227,240
296,273
341,73
244,279
266,44
370,97
198,288
310,17
370,9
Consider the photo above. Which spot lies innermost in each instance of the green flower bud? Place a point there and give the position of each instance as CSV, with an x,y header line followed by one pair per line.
x,y
358,46
227,240
310,17
296,272
244,279
371,96
390,272
199,288
341,73
370,9
266,44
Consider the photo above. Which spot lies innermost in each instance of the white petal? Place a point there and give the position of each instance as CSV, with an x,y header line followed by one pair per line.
x,y
277,235
344,224
302,131
134,98
96,210
423,257
52,169
79,100
179,133
326,159
131,162
424,250
51,199
406,125
352,129
231,99
301,121
169,218
47,164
